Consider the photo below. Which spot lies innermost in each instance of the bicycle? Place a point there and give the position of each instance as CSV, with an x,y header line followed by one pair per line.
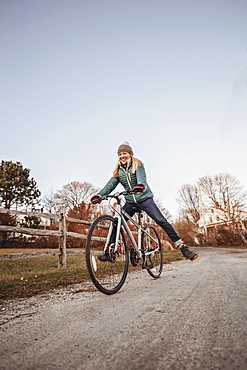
x,y
109,234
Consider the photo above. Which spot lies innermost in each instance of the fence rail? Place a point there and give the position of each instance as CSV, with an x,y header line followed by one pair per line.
x,y
61,233
50,216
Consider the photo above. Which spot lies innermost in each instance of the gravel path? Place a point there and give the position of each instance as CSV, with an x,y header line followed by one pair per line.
x,y
193,317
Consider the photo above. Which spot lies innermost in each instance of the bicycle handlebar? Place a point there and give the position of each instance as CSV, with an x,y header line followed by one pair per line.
x,y
138,189
118,194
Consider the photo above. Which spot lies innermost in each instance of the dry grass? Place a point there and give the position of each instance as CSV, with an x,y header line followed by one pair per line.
x,y
26,277
29,276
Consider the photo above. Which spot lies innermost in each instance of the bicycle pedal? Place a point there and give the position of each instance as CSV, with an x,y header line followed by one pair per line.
x,y
147,267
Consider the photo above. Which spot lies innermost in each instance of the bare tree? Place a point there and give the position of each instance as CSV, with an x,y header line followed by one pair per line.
x,y
49,202
189,201
75,193
75,196
223,191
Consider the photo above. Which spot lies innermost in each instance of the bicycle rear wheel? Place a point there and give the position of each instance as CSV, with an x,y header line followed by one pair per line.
x,y
150,242
109,276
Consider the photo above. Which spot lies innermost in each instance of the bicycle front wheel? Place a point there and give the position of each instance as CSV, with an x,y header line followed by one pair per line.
x,y
108,276
151,242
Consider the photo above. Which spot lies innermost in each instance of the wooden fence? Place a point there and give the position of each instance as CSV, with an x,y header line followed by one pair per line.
x,y
61,233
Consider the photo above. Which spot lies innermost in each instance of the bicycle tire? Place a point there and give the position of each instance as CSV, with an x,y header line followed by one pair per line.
x,y
109,276
154,260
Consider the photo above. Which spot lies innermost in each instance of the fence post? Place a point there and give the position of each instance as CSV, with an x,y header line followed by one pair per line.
x,y
62,240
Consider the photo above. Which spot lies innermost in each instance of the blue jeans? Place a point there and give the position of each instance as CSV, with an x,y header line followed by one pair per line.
x,y
153,211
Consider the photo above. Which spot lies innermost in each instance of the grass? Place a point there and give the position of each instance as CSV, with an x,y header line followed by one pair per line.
x,y
26,277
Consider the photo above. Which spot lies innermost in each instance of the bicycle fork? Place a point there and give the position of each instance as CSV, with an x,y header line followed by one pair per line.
x,y
109,239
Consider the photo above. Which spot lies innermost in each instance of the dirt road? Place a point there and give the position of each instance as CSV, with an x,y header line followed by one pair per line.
x,y
193,317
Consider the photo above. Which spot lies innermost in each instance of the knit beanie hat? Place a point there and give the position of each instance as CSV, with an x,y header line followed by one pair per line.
x,y
125,147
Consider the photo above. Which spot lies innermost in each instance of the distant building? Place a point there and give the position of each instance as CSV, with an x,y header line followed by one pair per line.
x,y
215,220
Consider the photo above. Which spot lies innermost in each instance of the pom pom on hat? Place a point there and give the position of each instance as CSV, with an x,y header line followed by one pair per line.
x,y
125,147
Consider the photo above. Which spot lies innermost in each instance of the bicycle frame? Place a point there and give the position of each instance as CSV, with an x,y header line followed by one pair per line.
x,y
120,215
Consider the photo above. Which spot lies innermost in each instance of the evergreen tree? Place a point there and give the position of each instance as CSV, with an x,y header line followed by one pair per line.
x,y
16,186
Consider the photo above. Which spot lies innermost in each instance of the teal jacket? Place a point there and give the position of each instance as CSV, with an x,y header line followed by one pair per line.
x,y
129,180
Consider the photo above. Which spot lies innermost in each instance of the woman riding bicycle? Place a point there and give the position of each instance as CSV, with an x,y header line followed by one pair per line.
x,y
130,172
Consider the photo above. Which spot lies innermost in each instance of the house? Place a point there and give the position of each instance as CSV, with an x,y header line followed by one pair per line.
x,y
216,220
215,216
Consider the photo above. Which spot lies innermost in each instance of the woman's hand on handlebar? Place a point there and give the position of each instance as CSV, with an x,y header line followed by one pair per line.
x,y
96,199
139,188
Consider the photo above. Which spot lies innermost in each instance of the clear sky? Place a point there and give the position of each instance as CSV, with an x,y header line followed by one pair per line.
x,y
79,77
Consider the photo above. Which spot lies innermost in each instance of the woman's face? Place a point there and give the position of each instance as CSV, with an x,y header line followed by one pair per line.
x,y
124,157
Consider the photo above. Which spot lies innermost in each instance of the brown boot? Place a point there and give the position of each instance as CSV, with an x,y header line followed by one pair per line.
x,y
187,253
